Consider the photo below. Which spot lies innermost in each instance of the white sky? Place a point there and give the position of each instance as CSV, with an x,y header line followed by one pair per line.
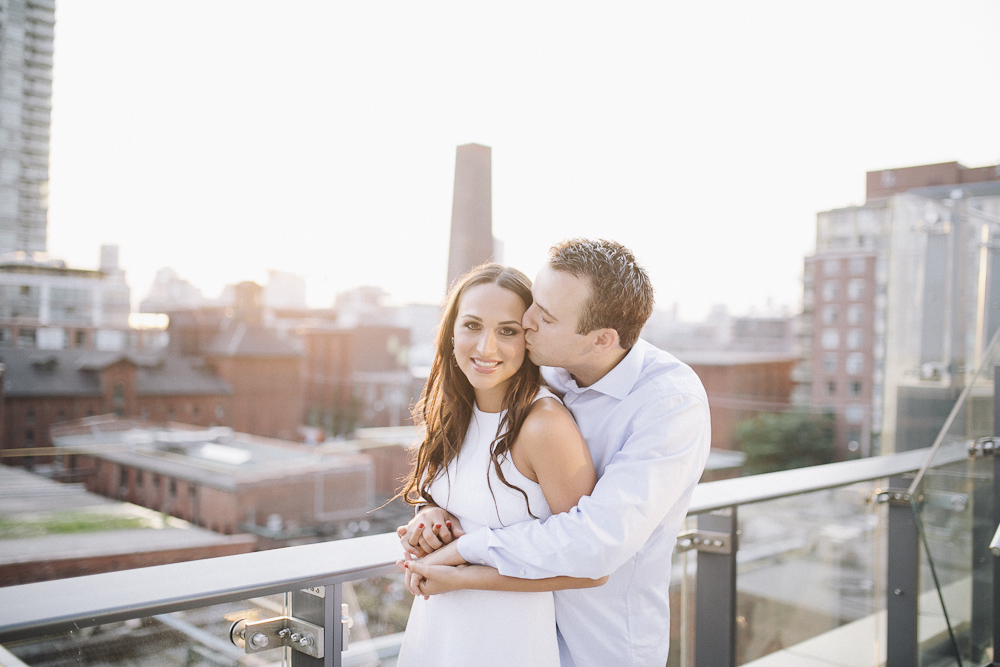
x,y
224,139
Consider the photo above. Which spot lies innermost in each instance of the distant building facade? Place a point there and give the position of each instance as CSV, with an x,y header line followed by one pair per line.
x,y
26,46
740,385
46,305
45,388
357,377
900,301
225,481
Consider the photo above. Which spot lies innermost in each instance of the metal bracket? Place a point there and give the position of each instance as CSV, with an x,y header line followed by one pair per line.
x,y
988,446
257,636
892,496
705,541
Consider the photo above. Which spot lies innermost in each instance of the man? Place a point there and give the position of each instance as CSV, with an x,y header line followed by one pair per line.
x,y
645,418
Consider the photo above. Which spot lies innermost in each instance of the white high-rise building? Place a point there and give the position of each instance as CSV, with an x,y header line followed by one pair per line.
x,y
26,44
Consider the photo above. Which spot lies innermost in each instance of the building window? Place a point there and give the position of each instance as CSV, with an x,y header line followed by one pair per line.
x,y
173,488
81,338
123,479
26,337
829,290
830,363
854,339
855,388
830,339
855,313
170,414
829,314
857,266
831,388
856,289
29,416
831,267
138,478
855,363
219,411
29,438
854,413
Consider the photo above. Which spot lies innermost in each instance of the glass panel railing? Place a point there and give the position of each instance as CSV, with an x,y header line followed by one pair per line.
x,y
197,636
953,509
809,574
379,607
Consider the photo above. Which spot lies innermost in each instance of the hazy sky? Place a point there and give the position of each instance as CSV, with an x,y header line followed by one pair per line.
x,y
224,139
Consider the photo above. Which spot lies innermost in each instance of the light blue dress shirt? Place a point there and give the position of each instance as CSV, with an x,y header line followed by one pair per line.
x,y
647,425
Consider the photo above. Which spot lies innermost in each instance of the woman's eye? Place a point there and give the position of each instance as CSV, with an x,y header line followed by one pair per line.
x,y
546,321
507,331
472,325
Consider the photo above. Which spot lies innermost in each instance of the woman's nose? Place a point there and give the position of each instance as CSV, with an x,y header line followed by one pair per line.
x,y
487,343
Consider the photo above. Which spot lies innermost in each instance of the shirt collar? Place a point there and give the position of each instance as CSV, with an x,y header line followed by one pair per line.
x,y
617,383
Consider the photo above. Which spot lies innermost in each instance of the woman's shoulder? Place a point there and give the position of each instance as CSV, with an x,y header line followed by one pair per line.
x,y
548,417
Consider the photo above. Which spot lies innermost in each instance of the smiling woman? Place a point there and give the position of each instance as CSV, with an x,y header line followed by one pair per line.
x,y
487,419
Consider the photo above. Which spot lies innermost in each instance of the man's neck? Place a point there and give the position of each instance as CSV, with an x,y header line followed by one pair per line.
x,y
592,373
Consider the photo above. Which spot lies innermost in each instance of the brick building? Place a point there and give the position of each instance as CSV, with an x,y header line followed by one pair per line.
x,y
42,388
741,385
357,377
225,481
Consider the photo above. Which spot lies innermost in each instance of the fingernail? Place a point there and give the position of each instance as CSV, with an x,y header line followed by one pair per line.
x,y
420,527
406,565
437,526
448,523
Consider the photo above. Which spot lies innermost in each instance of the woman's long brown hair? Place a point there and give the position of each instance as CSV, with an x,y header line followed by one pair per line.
x,y
444,410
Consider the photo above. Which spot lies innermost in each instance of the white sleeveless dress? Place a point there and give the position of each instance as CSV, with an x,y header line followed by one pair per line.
x,y
482,628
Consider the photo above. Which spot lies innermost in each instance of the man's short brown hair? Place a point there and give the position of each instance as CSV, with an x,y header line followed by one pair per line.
x,y
621,295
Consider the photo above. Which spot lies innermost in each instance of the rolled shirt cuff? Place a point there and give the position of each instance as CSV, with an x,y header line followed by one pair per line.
x,y
473,547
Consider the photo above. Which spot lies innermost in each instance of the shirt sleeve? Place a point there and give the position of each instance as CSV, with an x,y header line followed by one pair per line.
x,y
653,475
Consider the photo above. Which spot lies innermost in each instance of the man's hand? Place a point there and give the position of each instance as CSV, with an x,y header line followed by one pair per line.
x,y
428,531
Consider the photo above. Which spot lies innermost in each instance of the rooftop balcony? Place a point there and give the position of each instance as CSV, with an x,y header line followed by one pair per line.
x,y
786,568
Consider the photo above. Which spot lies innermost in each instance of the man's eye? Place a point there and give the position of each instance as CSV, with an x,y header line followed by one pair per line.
x,y
546,321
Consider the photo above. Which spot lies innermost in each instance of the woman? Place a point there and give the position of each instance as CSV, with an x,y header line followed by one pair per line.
x,y
497,449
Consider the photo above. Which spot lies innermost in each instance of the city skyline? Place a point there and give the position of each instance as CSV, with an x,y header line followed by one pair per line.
x,y
225,140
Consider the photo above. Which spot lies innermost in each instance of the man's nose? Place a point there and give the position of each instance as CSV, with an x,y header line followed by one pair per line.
x,y
528,319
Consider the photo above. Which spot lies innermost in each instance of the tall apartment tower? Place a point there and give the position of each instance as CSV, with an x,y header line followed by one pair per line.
x,y
900,303
26,39
471,211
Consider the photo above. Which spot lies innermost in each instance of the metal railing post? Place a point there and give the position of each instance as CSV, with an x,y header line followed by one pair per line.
x,y
902,585
995,621
324,611
715,603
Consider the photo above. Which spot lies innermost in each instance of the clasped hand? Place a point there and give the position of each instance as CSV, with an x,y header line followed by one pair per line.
x,y
424,538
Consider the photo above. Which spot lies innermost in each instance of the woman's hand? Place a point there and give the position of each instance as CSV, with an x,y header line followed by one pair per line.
x,y
428,531
426,579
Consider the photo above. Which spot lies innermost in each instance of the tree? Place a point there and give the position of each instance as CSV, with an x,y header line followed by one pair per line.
x,y
785,440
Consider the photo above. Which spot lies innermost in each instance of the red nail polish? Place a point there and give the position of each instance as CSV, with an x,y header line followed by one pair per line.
x,y
448,523
437,526
420,527
406,565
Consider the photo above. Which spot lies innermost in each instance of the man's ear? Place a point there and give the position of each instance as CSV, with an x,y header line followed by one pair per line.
x,y
607,339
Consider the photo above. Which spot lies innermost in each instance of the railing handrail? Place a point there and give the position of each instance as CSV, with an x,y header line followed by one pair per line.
x,y
711,496
31,610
